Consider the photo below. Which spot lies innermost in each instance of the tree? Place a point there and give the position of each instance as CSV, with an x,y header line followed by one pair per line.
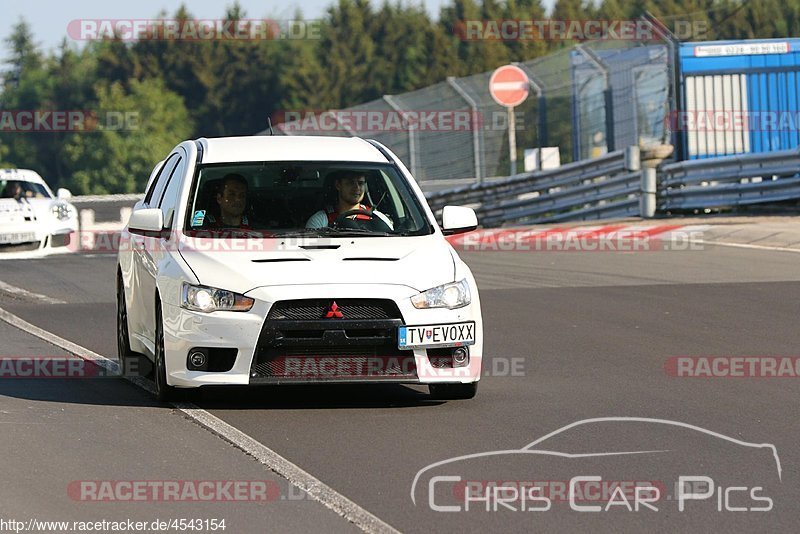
x,y
242,94
188,68
25,55
347,52
525,49
613,10
3,154
118,157
401,48
25,88
476,53
302,84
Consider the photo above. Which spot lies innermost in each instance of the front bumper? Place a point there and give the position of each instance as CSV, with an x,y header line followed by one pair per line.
x,y
35,237
272,351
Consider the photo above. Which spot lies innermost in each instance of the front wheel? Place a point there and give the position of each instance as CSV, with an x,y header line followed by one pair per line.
x,y
124,352
453,391
164,392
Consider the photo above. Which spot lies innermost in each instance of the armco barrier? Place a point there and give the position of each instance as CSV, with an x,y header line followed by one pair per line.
x,y
608,186
102,214
730,181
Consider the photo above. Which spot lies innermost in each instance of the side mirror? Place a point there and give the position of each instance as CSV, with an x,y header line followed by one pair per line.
x,y
458,220
63,194
146,220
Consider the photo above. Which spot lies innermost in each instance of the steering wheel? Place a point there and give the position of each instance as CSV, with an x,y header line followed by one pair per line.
x,y
374,223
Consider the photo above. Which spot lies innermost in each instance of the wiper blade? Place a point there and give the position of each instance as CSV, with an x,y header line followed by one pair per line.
x,y
359,232
328,231
306,232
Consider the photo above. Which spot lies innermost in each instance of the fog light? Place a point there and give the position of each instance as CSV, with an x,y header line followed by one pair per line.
x,y
197,359
460,356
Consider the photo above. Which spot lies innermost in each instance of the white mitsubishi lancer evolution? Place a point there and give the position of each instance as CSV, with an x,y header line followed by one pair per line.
x,y
286,260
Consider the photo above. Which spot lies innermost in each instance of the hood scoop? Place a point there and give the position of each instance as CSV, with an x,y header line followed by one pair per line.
x,y
280,260
319,247
370,259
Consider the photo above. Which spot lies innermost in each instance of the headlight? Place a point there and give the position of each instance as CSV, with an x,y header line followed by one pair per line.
x,y
209,299
62,211
451,296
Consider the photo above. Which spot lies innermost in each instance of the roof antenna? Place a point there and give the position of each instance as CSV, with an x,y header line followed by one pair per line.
x,y
269,123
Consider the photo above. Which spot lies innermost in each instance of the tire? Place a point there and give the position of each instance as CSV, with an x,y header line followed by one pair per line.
x,y
130,363
453,391
164,392
124,353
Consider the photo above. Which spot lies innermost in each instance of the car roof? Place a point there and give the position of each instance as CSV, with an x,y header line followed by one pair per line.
x,y
288,148
24,175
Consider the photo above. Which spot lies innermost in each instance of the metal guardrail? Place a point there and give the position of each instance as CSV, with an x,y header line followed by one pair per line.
x,y
730,181
608,186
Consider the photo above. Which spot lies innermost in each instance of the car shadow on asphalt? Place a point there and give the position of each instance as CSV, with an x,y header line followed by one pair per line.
x,y
114,391
106,391
313,396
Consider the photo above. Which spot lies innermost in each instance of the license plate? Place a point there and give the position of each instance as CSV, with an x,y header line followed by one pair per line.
x,y
21,237
436,335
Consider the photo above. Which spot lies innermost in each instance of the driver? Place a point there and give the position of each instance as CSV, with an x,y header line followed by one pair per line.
x,y
13,190
351,185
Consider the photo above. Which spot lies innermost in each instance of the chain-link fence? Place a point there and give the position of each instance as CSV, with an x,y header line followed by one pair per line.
x,y
587,100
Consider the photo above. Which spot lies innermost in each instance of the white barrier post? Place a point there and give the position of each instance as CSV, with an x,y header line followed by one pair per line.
x,y
86,235
647,200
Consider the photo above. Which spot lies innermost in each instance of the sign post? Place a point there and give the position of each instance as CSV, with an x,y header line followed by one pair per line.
x,y
509,87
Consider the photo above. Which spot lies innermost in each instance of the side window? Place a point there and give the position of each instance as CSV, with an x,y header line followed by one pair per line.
x,y
157,190
169,198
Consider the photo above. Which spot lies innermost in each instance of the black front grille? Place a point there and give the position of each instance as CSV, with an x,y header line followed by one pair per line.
x,y
302,342
20,247
343,366
313,309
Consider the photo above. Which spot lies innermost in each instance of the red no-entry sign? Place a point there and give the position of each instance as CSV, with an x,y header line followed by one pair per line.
x,y
509,86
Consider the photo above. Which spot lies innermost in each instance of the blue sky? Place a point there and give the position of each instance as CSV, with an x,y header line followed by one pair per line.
x,y
49,18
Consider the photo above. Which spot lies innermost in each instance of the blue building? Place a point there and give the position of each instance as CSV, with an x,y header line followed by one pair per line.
x,y
737,97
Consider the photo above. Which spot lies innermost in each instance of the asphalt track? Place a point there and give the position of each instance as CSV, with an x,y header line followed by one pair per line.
x,y
569,336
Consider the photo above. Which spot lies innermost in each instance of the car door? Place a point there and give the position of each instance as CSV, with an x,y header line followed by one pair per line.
x,y
163,247
141,315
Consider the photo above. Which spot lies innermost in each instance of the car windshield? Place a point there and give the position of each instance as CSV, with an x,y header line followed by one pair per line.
x,y
282,199
22,189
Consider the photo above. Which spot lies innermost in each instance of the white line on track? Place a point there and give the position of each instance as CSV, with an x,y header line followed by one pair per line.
x,y
30,295
317,489
745,245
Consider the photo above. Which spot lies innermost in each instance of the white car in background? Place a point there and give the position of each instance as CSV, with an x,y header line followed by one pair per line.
x,y
31,217
374,296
